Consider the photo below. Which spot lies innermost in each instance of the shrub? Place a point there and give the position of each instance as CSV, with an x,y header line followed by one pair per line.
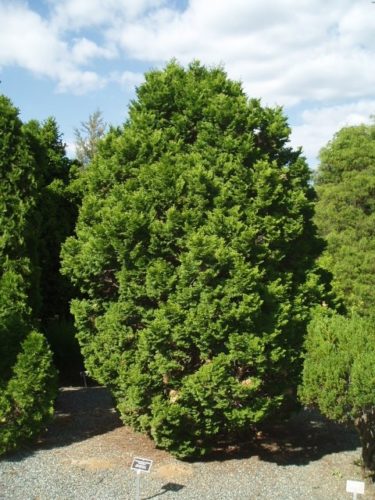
x,y
26,400
339,373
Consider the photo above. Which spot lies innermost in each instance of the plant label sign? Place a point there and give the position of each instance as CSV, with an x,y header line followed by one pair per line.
x,y
355,487
141,464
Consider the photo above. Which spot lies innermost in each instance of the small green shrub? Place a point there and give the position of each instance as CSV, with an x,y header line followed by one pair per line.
x,y
339,373
26,401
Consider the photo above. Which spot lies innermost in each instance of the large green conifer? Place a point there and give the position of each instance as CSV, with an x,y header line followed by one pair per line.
x,y
17,202
195,258
339,369
27,376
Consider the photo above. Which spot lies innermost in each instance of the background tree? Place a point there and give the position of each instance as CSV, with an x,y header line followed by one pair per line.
x,y
88,136
195,258
27,376
17,202
55,216
345,214
339,373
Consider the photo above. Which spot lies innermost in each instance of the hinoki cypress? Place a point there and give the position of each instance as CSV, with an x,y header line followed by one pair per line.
x,y
195,258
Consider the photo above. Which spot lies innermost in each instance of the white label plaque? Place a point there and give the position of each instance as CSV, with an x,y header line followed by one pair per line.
x,y
355,487
141,464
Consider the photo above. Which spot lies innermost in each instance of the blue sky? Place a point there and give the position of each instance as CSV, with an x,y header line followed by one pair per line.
x,y
67,58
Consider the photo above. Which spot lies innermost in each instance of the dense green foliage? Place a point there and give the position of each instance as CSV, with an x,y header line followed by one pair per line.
x,y
339,373
195,258
345,214
55,215
339,370
17,203
54,218
26,374
26,402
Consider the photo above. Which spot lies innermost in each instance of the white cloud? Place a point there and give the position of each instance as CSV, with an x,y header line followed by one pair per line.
x,y
357,25
79,82
128,79
296,53
321,123
84,50
284,51
28,41
77,14
70,148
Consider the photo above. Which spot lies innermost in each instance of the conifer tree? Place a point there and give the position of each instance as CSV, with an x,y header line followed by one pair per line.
x,y
339,375
345,215
88,137
195,258
17,202
27,376
55,215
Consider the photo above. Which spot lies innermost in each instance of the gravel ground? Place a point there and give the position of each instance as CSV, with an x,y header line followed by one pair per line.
x,y
86,454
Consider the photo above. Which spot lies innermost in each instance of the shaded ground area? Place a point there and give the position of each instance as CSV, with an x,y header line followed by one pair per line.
x,y
304,438
82,413
86,453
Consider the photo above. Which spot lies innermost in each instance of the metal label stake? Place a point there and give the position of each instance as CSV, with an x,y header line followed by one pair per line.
x,y
140,465
138,486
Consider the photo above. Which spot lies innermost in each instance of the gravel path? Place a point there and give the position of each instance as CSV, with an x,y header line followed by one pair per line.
x,y
86,454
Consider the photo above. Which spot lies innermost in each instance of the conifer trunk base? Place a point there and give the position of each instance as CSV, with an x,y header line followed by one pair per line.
x,y
366,428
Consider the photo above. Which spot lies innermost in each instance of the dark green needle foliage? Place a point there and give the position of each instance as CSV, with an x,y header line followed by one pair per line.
x,y
345,214
339,373
54,218
55,215
26,400
27,377
17,203
339,370
195,258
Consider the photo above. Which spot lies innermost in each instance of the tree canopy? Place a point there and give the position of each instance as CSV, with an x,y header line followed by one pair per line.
x,y
27,375
345,214
17,202
338,374
195,259
88,137
55,214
